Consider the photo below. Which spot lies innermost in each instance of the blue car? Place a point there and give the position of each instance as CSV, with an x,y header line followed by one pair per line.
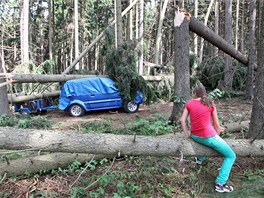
x,y
88,94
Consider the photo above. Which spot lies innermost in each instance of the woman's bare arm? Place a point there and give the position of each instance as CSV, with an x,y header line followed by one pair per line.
x,y
217,126
183,123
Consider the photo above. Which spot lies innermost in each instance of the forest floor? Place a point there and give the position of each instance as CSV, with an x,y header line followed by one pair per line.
x,y
142,176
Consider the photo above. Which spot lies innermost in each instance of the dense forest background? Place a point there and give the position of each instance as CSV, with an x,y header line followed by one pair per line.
x,y
47,41
132,38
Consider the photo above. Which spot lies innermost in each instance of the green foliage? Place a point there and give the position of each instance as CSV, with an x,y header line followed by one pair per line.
x,y
96,126
46,67
37,122
157,125
211,73
7,121
164,89
216,94
121,67
78,192
45,193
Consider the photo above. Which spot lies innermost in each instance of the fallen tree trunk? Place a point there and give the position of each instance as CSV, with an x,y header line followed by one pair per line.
x,y
43,78
13,98
43,163
38,78
51,78
109,144
236,126
205,32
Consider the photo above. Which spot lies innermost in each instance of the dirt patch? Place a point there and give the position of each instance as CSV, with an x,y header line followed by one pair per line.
x,y
118,117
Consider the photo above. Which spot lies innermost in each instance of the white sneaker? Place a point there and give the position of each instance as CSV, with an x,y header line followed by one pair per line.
x,y
197,161
223,188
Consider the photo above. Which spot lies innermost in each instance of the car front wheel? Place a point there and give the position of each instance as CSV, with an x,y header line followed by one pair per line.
x,y
76,110
131,107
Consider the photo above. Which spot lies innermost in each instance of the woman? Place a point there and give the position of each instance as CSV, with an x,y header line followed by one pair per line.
x,y
201,109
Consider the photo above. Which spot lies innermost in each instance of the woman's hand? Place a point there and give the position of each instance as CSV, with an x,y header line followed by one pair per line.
x,y
220,130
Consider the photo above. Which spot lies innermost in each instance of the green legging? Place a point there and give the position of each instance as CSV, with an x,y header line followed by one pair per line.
x,y
218,144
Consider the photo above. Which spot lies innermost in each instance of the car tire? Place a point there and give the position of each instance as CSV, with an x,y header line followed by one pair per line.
x,y
131,107
76,110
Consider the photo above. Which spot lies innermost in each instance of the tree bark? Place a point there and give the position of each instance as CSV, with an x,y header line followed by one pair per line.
x,y
24,32
228,68
252,51
256,129
50,5
4,107
197,27
12,98
46,78
109,144
195,39
159,33
43,163
216,28
141,38
119,25
181,64
76,33
39,78
205,23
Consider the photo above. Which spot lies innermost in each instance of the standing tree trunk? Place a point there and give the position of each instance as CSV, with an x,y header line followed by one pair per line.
x,y
130,23
141,37
195,40
159,33
118,16
228,70
252,51
216,24
205,23
76,33
24,32
242,40
237,26
4,107
50,30
181,64
256,129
